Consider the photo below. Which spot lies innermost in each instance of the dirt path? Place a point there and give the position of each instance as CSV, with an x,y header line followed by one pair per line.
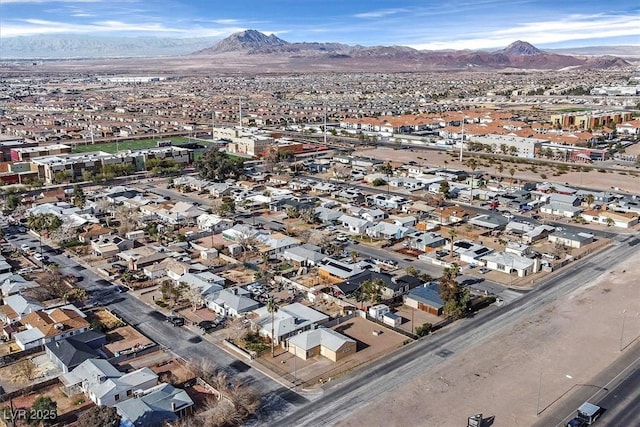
x,y
567,343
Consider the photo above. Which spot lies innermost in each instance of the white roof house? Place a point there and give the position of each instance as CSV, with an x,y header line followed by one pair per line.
x,y
104,384
16,307
323,341
12,284
214,223
509,262
353,224
289,320
232,301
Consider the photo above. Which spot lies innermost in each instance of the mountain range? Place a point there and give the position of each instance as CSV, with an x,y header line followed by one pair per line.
x,y
249,47
518,54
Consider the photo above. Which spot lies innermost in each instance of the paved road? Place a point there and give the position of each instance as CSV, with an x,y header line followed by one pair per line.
x,y
181,341
616,389
346,394
622,405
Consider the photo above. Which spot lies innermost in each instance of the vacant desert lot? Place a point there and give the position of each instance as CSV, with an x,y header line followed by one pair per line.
x,y
592,179
577,336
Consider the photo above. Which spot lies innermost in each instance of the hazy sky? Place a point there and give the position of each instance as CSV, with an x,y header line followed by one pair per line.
x,y
426,24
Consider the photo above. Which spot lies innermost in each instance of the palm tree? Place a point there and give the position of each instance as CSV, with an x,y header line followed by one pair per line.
x,y
589,199
272,307
452,235
512,172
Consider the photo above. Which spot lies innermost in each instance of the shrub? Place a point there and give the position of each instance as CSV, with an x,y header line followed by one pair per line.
x,y
423,329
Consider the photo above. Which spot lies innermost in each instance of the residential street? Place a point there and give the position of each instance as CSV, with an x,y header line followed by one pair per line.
x,y
179,340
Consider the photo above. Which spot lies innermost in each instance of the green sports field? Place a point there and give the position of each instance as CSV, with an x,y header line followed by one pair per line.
x,y
112,147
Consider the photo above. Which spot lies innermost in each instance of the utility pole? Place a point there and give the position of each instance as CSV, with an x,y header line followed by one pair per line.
x,y
213,125
462,138
91,129
240,109
325,123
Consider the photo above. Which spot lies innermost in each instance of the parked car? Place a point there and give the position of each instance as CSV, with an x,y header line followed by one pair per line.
x,y
176,320
484,270
206,325
120,289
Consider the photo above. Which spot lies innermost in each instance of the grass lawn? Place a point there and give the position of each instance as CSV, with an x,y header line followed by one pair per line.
x,y
111,147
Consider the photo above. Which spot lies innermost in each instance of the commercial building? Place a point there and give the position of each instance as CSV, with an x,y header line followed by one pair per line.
x,y
509,144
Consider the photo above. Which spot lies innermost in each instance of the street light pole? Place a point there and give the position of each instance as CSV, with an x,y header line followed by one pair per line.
x,y
622,330
462,139
539,390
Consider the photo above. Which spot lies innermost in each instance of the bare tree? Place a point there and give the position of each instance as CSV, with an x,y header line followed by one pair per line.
x,y
341,171
194,296
24,371
321,239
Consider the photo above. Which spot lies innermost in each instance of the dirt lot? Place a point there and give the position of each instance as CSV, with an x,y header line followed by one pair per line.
x,y
591,179
500,377
125,338
419,317
319,369
104,317
68,407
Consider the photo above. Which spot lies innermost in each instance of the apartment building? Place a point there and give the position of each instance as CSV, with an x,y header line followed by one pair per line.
x,y
589,120
24,154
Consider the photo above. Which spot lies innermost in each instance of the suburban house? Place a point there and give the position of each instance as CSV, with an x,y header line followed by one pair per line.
x,y
275,243
387,230
404,220
373,215
387,201
5,267
426,298
321,341
234,301
570,239
70,352
617,219
450,214
326,215
213,223
109,246
177,213
49,325
560,209
155,406
470,252
338,271
353,224
506,262
13,284
304,255
391,286
205,281
15,307
289,320
491,222
138,258
425,241
94,232
101,382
